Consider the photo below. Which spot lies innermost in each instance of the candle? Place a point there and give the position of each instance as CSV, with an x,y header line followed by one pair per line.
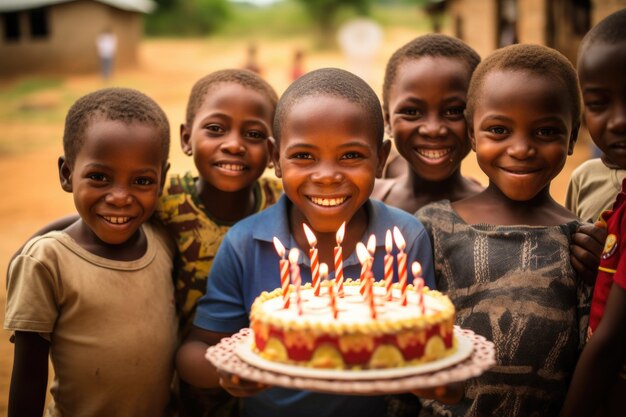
x,y
284,271
369,279
388,265
418,283
296,279
339,259
331,289
313,255
401,258
364,258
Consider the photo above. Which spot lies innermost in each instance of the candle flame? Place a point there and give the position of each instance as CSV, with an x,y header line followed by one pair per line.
x,y
309,235
323,271
294,254
371,245
397,236
416,268
388,241
340,233
362,253
280,249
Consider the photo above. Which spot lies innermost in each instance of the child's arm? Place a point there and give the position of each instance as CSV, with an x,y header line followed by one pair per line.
x,y
586,248
196,370
601,360
29,378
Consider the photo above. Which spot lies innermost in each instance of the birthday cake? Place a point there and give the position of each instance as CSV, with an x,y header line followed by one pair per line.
x,y
350,332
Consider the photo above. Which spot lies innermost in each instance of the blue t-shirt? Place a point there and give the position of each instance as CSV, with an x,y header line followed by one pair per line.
x,y
246,264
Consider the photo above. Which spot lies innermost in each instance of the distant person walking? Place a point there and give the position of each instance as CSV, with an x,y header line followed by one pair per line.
x,y
106,42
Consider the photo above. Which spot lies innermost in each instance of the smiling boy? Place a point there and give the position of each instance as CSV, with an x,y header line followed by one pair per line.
x,y
329,149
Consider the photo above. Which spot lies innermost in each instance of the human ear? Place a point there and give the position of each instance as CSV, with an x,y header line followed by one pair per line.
x,y
383,154
166,168
275,156
65,174
572,139
470,134
185,139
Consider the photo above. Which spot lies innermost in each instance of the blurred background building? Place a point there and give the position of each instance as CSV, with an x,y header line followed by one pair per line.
x,y
560,24
59,36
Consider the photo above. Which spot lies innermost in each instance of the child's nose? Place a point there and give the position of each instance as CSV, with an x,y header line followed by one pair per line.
x,y
119,196
233,144
521,147
326,173
432,127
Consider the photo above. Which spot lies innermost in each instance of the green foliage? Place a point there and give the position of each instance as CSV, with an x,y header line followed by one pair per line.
x,y
325,12
188,17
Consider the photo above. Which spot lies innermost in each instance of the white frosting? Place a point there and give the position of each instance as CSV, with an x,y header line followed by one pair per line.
x,y
353,309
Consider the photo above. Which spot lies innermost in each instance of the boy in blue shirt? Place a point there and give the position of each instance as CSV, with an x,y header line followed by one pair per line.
x,y
329,149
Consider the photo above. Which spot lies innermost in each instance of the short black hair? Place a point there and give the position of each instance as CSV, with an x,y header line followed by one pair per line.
x,y
118,104
332,82
243,77
430,45
534,59
611,30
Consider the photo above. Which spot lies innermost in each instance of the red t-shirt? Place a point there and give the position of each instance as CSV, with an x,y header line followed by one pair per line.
x,y
612,267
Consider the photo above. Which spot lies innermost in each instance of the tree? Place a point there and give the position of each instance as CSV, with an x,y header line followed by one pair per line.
x,y
187,17
324,14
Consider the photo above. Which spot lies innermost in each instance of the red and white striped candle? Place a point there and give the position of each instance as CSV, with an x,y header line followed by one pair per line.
x,y
331,289
388,265
339,259
296,279
315,263
402,267
364,258
284,271
369,279
418,283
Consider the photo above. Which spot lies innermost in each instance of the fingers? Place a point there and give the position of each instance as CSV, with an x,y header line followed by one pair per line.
x,y
447,394
239,387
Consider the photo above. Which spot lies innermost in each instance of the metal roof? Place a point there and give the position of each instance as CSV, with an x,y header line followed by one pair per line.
x,y
143,6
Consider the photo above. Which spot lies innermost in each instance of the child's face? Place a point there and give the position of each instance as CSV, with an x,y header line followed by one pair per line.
x,y
328,160
426,105
229,136
522,131
603,84
116,178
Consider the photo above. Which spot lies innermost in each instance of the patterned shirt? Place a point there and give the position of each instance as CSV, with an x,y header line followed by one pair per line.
x,y
514,285
198,236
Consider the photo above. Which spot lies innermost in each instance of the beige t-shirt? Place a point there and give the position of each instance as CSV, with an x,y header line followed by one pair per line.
x,y
592,189
111,324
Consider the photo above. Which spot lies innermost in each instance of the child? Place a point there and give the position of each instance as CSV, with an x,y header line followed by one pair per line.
x,y
226,130
82,294
329,149
599,382
503,255
601,67
424,97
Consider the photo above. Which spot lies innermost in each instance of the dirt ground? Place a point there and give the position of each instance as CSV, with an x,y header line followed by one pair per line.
x,y
168,68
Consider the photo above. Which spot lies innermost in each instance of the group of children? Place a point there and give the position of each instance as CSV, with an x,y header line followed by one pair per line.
x,y
518,266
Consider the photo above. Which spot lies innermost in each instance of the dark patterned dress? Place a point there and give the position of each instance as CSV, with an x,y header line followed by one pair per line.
x,y
514,285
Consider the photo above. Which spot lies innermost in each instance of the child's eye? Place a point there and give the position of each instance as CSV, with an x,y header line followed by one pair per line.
x,y
302,155
596,105
454,111
144,181
98,177
410,111
352,155
215,129
548,131
255,134
498,130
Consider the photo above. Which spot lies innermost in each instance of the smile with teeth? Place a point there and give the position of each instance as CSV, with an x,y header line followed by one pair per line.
x,y
231,167
116,219
434,153
328,202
